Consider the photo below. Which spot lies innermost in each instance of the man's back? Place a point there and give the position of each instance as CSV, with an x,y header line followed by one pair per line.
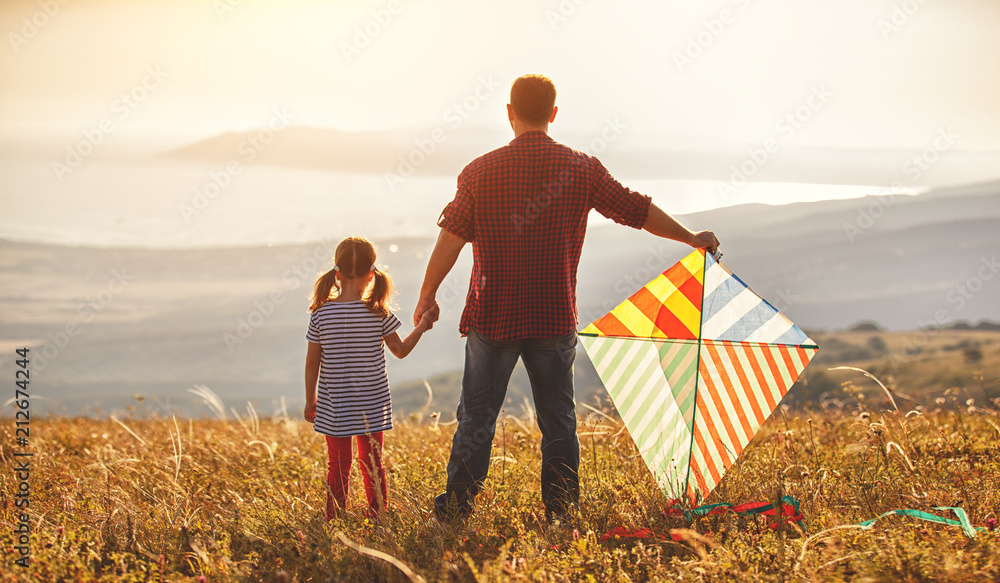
x,y
524,207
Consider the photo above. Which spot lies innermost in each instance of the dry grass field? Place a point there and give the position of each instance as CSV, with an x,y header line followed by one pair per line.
x,y
165,499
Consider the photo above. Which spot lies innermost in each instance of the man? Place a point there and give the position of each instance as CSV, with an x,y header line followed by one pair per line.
x,y
524,208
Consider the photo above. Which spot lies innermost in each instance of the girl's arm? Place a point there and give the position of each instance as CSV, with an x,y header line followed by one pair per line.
x,y
313,357
400,348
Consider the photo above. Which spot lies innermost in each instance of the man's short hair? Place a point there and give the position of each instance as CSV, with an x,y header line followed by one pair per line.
x,y
533,97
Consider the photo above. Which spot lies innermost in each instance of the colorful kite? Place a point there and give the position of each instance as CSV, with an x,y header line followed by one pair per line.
x,y
695,362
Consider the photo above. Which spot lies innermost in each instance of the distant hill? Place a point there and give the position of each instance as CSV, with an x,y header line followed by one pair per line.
x,y
234,319
444,150
326,149
918,367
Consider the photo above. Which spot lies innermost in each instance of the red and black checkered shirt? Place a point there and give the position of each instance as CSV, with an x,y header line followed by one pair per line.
x,y
524,207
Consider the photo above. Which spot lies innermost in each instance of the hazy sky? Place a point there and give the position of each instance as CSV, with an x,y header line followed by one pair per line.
x,y
894,72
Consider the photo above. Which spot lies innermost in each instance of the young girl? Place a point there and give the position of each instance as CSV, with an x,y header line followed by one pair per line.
x,y
350,321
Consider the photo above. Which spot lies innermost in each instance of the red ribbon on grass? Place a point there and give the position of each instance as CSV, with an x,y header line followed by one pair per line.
x,y
787,507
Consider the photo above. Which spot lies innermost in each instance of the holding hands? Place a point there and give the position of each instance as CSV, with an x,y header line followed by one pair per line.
x,y
424,321
426,307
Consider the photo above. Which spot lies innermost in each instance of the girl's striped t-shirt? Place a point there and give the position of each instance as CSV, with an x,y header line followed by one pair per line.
x,y
353,393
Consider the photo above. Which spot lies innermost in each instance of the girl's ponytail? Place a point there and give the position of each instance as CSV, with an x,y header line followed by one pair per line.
x,y
321,291
378,300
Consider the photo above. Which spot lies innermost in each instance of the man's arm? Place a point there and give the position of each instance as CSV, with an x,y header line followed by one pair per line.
x,y
443,258
661,224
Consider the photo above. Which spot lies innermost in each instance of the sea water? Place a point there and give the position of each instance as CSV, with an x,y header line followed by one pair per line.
x,y
182,204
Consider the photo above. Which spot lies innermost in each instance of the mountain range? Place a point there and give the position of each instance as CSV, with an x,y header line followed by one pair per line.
x,y
444,150
107,325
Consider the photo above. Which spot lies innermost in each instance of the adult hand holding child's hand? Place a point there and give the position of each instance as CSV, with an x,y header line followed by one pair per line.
x,y
428,318
424,306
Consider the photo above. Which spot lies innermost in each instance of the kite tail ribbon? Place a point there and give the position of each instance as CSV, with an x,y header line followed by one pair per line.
x,y
787,506
963,519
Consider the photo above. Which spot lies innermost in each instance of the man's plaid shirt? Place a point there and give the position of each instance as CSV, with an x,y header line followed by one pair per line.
x,y
524,207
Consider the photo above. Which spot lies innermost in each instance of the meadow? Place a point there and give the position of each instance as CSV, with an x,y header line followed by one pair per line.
x,y
241,498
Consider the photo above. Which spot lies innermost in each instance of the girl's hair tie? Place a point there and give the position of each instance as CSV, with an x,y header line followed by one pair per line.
x,y
372,268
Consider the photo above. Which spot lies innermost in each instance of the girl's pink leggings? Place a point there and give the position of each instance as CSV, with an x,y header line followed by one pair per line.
x,y
372,472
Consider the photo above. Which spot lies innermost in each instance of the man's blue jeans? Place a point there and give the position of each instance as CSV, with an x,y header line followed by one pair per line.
x,y
488,366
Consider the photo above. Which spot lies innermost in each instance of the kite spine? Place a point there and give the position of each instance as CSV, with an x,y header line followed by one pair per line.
x,y
697,376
